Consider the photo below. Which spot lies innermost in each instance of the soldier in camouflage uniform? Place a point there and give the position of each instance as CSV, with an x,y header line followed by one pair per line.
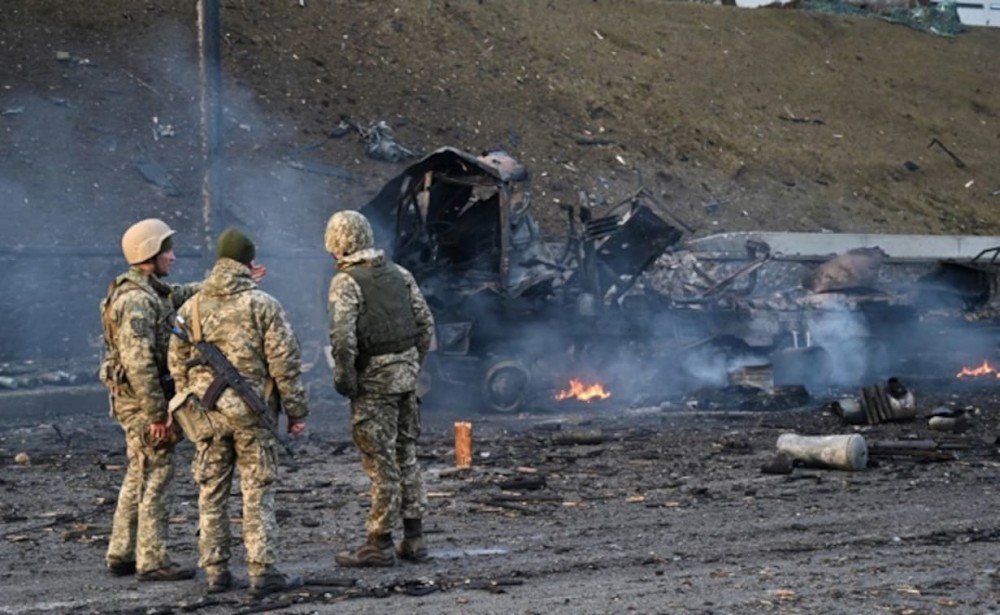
x,y
250,328
380,330
136,316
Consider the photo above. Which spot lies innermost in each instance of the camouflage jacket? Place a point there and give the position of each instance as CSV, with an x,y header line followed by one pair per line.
x,y
387,373
137,316
249,327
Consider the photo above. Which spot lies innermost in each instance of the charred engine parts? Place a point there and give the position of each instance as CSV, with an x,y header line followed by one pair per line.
x,y
954,420
877,404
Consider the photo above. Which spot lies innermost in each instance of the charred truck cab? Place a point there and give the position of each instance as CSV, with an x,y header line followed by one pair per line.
x,y
513,311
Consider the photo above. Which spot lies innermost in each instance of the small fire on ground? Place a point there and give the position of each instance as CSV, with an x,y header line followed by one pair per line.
x,y
984,369
583,392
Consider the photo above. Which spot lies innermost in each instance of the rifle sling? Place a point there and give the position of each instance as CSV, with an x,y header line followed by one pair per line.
x,y
195,319
219,384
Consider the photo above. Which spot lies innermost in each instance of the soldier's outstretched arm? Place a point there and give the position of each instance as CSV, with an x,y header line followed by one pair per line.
x,y
179,293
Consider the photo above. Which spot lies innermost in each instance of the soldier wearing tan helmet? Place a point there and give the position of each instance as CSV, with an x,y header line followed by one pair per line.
x,y
137,315
380,331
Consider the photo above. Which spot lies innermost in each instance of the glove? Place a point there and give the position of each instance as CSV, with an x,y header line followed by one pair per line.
x,y
346,382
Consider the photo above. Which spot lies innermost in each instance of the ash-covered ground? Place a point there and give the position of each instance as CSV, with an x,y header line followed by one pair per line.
x,y
574,509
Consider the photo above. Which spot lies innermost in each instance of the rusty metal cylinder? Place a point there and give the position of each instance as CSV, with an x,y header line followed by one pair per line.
x,y
463,444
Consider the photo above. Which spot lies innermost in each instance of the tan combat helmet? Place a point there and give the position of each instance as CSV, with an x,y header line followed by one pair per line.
x,y
142,240
348,232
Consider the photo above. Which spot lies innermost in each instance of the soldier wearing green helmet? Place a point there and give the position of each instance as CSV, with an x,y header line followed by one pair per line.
x,y
380,332
250,329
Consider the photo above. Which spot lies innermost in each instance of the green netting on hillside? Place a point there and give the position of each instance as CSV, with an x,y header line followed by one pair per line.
x,y
940,19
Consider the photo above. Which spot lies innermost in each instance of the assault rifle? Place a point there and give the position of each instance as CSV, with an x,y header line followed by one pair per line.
x,y
226,377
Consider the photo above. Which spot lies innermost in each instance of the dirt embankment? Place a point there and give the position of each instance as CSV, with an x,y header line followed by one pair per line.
x,y
740,119
776,119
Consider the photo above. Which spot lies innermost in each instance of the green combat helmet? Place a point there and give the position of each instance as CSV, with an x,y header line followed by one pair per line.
x,y
348,232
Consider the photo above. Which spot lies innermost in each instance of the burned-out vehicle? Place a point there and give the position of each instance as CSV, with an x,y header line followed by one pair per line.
x,y
519,315
511,307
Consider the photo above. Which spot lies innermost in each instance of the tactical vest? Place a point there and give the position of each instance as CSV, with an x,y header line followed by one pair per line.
x,y
112,371
386,324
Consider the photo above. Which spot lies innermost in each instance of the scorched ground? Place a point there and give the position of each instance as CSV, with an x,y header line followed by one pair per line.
x,y
579,510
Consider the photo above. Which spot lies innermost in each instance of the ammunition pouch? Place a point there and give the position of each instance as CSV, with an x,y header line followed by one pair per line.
x,y
112,373
192,418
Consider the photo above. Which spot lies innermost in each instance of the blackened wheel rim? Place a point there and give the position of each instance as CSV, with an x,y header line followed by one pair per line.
x,y
505,386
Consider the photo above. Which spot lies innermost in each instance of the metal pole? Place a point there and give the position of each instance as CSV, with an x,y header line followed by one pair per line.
x,y
211,123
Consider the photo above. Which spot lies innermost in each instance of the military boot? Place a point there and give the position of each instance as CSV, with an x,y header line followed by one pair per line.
x,y
218,581
170,572
272,582
412,546
376,552
121,569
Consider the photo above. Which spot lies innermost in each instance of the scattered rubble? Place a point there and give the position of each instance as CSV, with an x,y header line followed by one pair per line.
x,y
877,404
662,496
380,142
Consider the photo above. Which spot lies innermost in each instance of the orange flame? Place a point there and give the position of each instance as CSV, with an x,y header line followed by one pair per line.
x,y
579,390
984,369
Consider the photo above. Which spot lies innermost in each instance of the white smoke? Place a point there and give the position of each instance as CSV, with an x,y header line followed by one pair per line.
x,y
845,336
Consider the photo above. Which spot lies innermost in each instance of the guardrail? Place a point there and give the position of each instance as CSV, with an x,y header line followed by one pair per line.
x,y
978,13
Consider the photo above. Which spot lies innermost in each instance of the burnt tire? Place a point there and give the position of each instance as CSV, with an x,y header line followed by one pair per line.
x,y
504,386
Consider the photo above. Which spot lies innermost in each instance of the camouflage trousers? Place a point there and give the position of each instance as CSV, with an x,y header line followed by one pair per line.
x,y
253,452
385,428
139,529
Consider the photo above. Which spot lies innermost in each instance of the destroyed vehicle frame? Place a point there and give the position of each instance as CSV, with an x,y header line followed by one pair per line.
x,y
932,309
505,299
